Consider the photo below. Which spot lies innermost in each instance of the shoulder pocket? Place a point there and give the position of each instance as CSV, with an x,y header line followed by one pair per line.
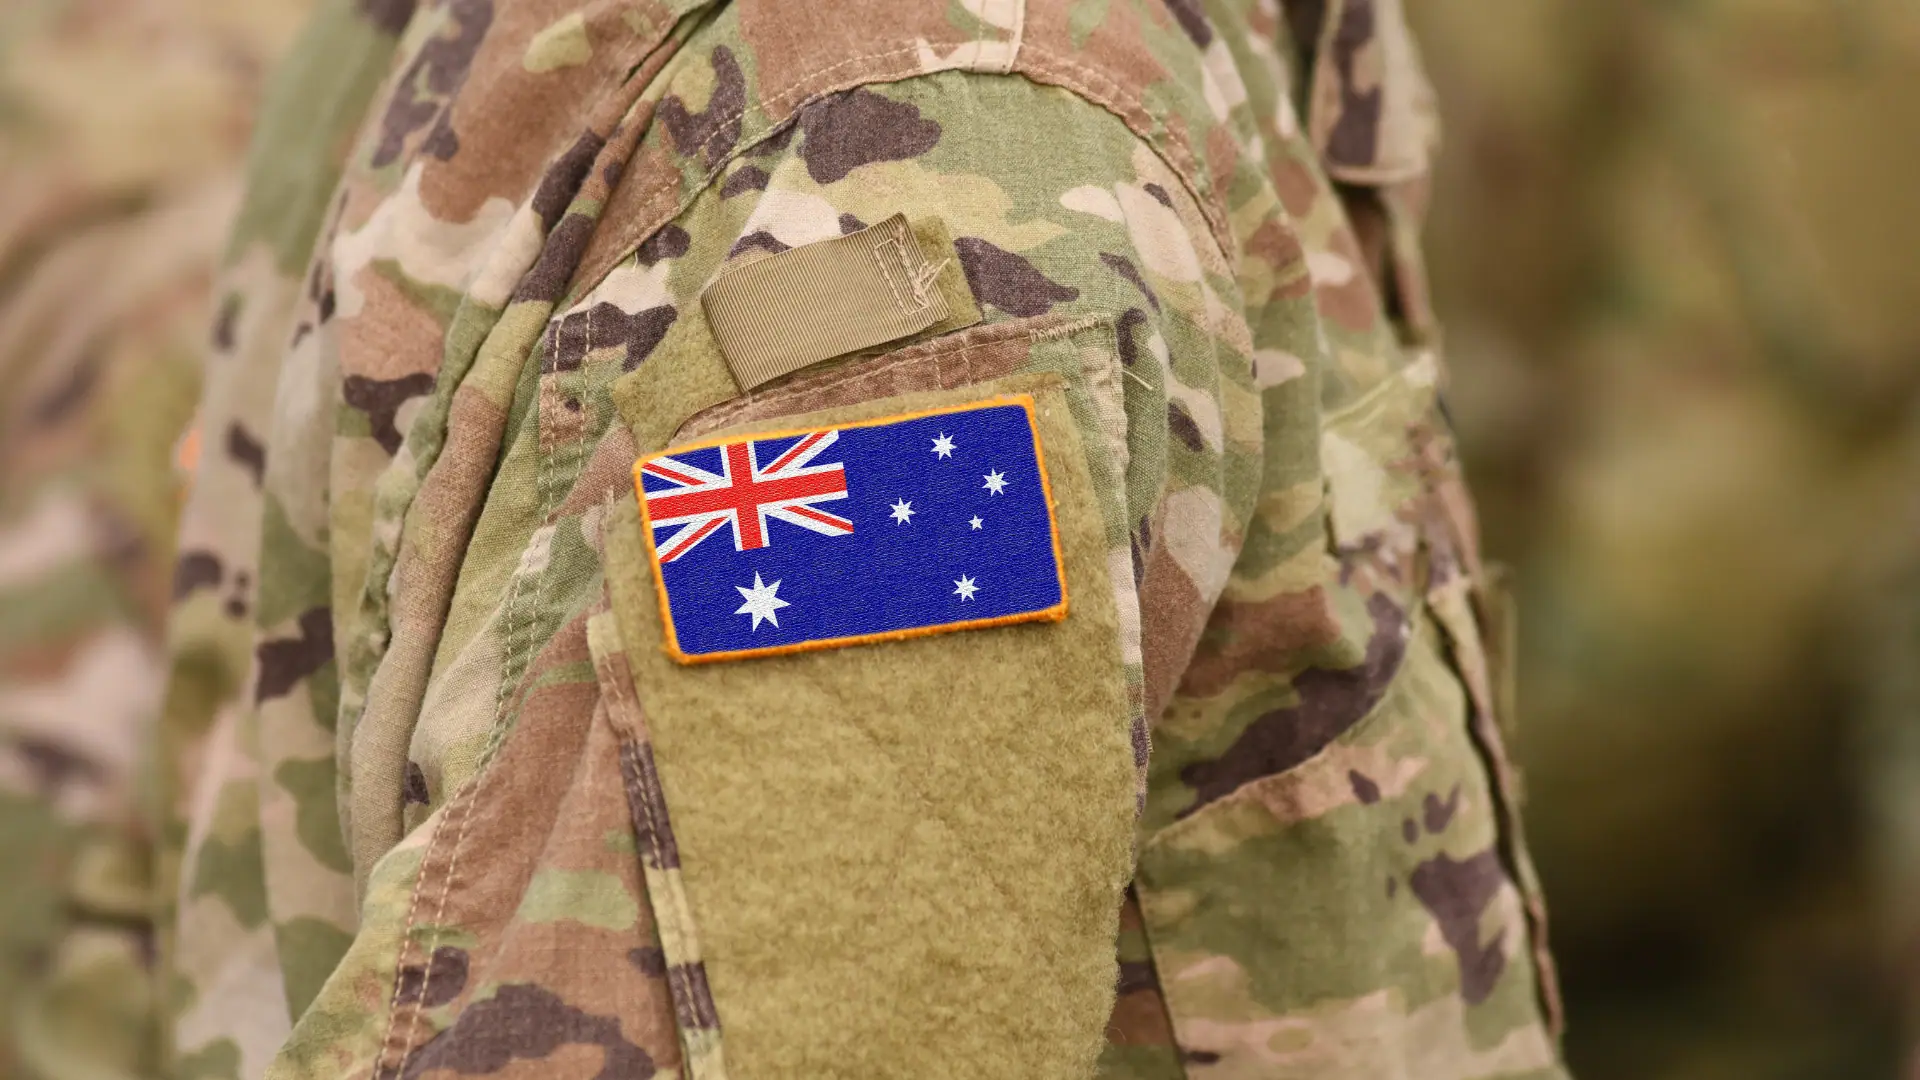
x,y
882,841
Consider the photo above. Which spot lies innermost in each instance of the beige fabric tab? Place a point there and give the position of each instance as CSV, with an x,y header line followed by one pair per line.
x,y
781,313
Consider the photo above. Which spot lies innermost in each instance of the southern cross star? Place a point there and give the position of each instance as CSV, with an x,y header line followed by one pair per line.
x,y
902,511
975,521
943,446
761,602
995,482
965,588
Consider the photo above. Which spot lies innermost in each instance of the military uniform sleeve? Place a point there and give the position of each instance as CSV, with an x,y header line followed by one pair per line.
x,y
835,543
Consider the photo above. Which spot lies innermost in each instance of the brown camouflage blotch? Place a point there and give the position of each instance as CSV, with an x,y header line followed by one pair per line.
x,y
1356,131
670,242
859,127
563,178
1193,22
606,326
1281,250
285,661
744,179
422,94
442,980
1364,788
246,451
1123,266
381,400
1456,894
1436,813
1184,429
1305,18
651,960
547,282
1125,327
758,240
196,570
1008,281
415,792
523,1022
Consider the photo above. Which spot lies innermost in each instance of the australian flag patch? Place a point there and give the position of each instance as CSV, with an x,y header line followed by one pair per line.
x,y
869,531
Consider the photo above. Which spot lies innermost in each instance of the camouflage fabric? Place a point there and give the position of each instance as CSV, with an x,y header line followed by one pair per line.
x,y
423,765
120,147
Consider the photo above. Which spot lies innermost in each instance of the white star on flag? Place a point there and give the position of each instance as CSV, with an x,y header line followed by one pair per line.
x,y
902,510
975,522
761,603
943,446
995,482
965,588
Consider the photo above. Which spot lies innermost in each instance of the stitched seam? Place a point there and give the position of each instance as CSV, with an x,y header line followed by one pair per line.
x,y
880,264
863,379
1064,330
616,683
399,967
494,737
1018,37
646,41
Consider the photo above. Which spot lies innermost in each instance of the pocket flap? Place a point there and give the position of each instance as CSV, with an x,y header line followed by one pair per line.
x,y
908,856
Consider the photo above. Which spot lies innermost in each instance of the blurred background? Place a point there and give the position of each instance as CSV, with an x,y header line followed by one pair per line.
x,y
1675,247
1674,243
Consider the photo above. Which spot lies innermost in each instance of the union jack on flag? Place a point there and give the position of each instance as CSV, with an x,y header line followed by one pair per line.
x,y
744,494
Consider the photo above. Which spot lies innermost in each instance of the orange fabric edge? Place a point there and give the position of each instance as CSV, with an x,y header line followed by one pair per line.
x,y
671,645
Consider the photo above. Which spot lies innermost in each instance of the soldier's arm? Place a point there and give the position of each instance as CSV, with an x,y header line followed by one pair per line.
x,y
576,820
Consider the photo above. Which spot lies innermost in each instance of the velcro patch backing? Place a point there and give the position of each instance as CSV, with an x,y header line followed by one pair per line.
x,y
784,312
884,529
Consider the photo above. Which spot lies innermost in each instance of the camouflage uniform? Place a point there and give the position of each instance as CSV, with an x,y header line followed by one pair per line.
x,y
120,149
439,804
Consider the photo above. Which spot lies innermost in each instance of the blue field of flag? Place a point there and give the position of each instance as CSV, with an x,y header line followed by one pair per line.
x,y
895,527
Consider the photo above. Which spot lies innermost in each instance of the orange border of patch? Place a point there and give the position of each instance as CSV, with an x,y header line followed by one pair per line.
x,y
1050,614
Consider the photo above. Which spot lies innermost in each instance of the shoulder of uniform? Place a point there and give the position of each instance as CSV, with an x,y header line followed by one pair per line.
x,y
743,80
